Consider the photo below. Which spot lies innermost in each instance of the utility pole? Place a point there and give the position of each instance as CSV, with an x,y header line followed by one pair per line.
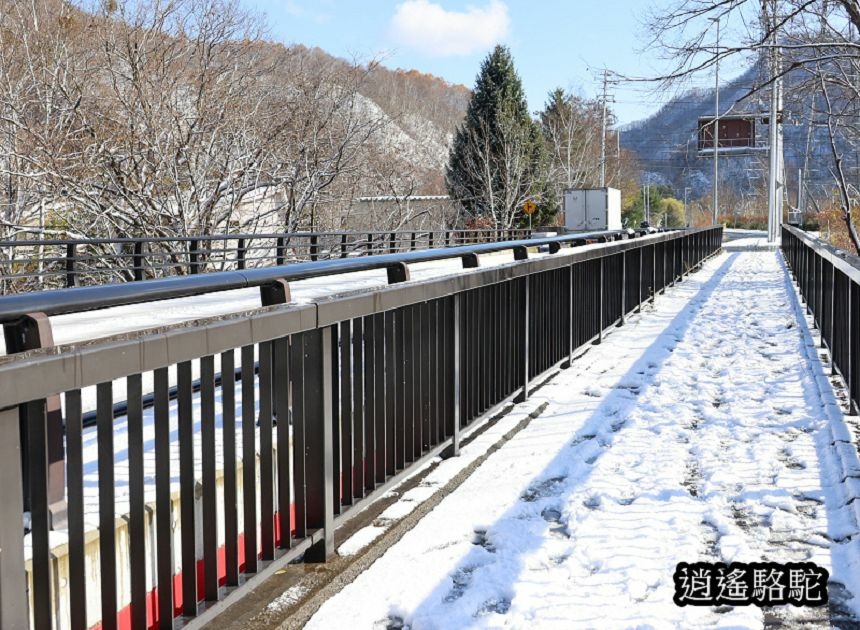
x,y
716,193
603,132
686,216
799,196
774,205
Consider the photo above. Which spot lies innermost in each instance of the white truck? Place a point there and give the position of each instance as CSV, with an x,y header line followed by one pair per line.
x,y
592,209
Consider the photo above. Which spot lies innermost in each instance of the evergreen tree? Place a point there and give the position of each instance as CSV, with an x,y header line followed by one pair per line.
x,y
498,160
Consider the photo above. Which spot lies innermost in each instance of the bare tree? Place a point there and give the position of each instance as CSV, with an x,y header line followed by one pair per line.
x,y
178,118
817,40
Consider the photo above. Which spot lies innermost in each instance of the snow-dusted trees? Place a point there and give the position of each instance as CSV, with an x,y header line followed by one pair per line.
x,y
172,117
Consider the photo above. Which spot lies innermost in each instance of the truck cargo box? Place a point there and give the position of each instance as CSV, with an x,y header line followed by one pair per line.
x,y
592,209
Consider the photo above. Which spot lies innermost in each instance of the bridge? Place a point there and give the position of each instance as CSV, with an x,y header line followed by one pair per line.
x,y
526,432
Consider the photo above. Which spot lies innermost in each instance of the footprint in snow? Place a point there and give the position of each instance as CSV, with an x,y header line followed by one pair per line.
x,y
579,439
462,579
499,606
593,391
548,488
561,559
592,502
557,527
393,622
480,538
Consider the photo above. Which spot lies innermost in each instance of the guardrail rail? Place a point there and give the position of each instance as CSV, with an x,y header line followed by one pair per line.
x,y
29,265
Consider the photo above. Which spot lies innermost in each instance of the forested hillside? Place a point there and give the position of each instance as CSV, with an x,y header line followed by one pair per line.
x,y
179,118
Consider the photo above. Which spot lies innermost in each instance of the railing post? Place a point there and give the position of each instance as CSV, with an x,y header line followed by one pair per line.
x,y
653,274
623,285
852,356
314,247
240,254
665,268
456,376
279,251
71,275
525,392
343,245
600,301
832,306
13,579
137,260
470,261
370,244
674,258
30,333
277,292
412,243
447,238
570,316
392,247
398,272
193,256
319,441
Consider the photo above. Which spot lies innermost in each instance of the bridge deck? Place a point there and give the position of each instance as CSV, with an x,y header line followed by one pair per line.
x,y
699,431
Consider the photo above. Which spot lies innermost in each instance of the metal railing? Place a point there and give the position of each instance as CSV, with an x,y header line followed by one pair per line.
x,y
335,402
829,282
28,265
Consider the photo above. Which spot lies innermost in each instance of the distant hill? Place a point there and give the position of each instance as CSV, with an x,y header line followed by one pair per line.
x,y
423,112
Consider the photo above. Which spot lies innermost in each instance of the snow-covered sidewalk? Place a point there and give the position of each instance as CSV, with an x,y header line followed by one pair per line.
x,y
695,432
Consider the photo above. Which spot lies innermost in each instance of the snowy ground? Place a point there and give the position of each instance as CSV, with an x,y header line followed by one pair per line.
x,y
699,431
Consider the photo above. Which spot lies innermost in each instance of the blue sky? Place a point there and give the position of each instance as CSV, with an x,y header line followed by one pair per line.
x,y
554,42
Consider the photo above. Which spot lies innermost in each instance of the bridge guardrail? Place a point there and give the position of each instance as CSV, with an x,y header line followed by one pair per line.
x,y
829,282
27,265
336,401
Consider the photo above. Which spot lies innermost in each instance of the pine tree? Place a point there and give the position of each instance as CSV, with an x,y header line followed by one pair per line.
x,y
498,160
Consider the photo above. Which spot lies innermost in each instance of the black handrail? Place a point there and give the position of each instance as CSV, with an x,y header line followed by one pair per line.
x,y
65,301
406,236
88,261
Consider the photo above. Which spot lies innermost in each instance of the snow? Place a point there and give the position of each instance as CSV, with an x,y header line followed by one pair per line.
x,y
441,473
704,429
289,597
